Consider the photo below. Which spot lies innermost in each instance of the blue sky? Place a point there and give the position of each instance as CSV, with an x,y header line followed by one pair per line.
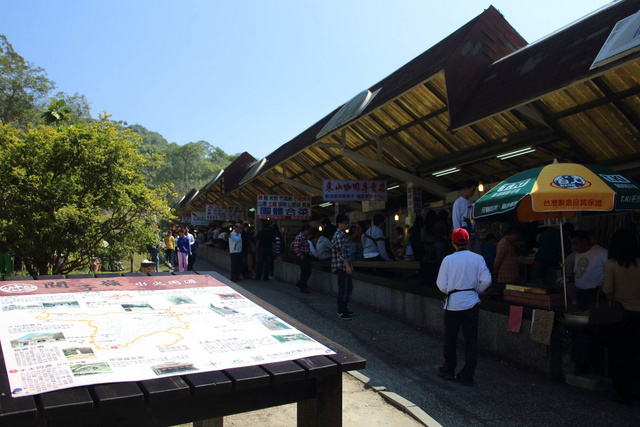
x,y
244,75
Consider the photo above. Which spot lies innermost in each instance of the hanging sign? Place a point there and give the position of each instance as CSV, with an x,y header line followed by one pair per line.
x,y
283,207
414,200
186,218
227,213
354,191
199,218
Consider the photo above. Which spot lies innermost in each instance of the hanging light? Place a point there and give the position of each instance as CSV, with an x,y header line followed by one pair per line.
x,y
480,187
397,217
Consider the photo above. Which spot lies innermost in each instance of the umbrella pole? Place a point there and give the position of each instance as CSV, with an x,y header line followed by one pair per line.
x,y
564,272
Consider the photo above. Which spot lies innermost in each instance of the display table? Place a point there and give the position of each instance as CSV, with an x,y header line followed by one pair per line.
x,y
315,383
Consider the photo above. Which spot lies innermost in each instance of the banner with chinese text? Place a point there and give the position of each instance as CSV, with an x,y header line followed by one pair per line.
x,y
227,213
334,190
198,218
283,207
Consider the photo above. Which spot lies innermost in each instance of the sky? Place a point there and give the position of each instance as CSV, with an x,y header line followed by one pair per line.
x,y
243,75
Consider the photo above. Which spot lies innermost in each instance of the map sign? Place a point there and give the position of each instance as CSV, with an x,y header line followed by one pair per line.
x,y
63,333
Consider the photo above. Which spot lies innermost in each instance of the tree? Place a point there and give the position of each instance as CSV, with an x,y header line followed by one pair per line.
x,y
67,190
22,86
57,112
186,166
79,110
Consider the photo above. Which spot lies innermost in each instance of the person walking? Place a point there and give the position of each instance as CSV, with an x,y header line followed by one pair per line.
x,y
184,250
341,265
235,251
169,247
303,252
462,276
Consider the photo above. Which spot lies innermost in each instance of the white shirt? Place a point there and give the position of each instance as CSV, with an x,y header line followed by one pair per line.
x,y
461,215
312,250
463,270
588,267
235,242
373,243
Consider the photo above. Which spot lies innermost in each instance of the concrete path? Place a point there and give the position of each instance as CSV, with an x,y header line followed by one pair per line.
x,y
405,361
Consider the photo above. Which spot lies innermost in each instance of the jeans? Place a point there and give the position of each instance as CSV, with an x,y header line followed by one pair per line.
x,y
305,271
236,266
467,320
345,286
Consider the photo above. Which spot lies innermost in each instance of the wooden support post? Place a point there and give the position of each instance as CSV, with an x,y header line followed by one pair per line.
x,y
326,408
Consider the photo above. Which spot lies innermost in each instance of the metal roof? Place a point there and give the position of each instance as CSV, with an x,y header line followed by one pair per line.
x,y
480,92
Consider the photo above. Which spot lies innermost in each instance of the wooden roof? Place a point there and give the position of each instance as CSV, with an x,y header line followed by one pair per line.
x,y
480,92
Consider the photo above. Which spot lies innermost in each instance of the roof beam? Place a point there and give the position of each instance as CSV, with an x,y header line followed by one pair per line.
x,y
381,145
302,187
431,187
532,137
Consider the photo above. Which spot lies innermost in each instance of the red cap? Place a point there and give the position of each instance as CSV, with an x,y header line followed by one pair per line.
x,y
460,236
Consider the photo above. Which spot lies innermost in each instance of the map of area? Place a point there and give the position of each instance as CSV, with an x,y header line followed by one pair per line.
x,y
86,331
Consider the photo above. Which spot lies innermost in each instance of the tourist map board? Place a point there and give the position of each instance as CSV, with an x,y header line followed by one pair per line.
x,y
57,334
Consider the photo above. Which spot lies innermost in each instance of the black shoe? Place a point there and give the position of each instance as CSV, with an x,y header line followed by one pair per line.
x,y
305,291
464,381
446,375
344,316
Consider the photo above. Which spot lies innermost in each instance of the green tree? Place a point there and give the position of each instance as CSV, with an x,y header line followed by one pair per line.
x,y
187,167
22,87
67,190
79,110
56,112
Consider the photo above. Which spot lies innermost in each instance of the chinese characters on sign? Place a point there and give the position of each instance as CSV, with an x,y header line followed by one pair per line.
x,y
186,218
573,203
414,200
198,218
354,191
227,213
283,207
79,332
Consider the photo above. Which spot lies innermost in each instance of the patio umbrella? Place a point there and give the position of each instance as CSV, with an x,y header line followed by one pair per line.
x,y
555,191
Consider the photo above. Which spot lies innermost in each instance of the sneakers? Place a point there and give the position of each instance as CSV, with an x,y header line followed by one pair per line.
x,y
344,316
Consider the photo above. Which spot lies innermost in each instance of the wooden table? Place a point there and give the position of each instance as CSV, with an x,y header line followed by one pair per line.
x,y
315,383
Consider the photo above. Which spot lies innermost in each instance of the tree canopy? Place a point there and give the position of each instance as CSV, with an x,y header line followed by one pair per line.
x,y
69,189
22,86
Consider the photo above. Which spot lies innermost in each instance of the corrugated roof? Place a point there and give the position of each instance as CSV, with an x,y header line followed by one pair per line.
x,y
542,96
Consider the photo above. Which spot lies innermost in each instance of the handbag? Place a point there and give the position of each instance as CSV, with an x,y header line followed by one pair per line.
x,y
606,313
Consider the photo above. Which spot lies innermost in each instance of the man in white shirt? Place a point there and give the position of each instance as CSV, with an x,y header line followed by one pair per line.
x,y
586,266
235,252
462,276
374,242
461,215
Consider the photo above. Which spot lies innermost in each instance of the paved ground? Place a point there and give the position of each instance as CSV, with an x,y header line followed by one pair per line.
x,y
405,360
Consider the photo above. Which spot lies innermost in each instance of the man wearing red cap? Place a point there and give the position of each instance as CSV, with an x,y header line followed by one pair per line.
x,y
462,276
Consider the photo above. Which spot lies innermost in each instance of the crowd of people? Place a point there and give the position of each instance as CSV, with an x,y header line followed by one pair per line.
x,y
467,268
